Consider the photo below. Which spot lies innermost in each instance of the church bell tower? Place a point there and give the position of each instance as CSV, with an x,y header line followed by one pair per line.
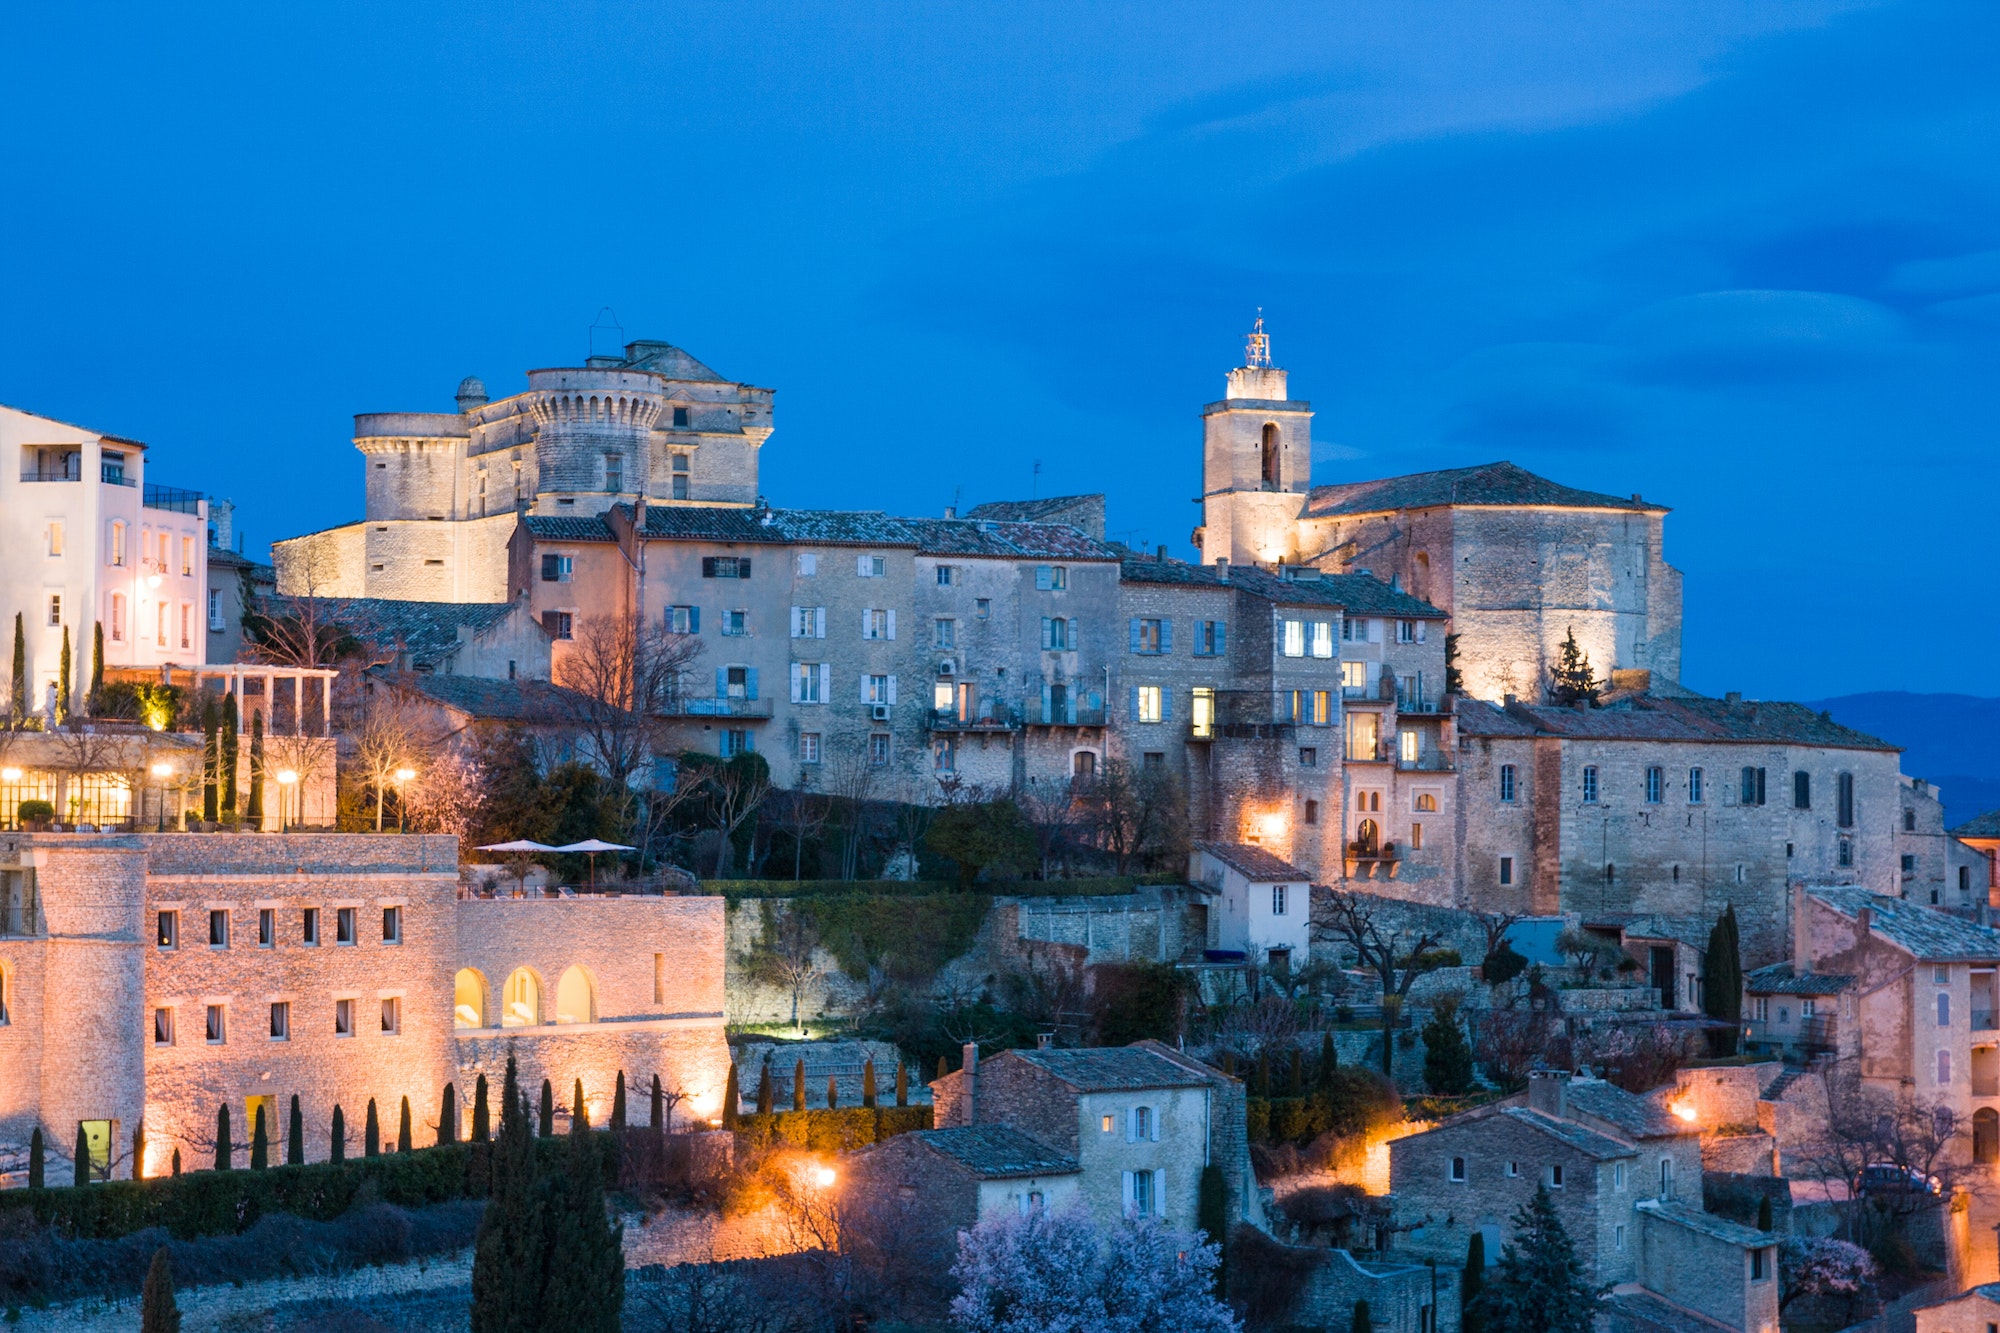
x,y
1256,463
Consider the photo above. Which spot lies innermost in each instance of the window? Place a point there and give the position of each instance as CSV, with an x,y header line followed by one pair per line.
x,y
1752,792
1416,837
1844,816
1058,634
1409,631
1507,783
1354,629
1760,1009
809,682
1409,746
55,608
117,543
187,625
809,622
1211,638
1618,1176
215,608
734,741
878,749
343,925
735,624
556,568
118,617
1846,854
1147,698
218,928
309,926
1618,1238
392,1016
1807,1008
267,928
1142,1124
1512,1170
170,930
1589,783
871,566
680,419
1506,870
1312,811
160,625
1694,786
559,624
343,1018
1909,864
1153,761
1458,1169
878,624
163,1027
1144,1201
944,576
281,1020
55,537
1909,821
1656,784
1666,1177
1295,638
1801,790
1051,578
1151,637
944,632
1106,1125
1944,1069
1760,1268
944,754
1556,1176
187,555
218,1025
392,925
1354,676
1426,802
982,607
1309,756
875,690
809,747
614,472
725,567
1944,1009
1031,1202
683,620
1278,899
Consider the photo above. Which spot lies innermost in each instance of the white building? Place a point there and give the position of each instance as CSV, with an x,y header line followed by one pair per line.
x,y
97,542
1262,906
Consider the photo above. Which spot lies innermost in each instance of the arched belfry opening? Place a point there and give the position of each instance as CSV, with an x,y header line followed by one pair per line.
x,y
1270,452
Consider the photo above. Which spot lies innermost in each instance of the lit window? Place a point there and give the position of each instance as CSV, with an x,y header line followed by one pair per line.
x,y
1409,745
56,537
1427,802
1107,1124
1416,837
1148,697
1322,638
1353,676
1295,638
170,930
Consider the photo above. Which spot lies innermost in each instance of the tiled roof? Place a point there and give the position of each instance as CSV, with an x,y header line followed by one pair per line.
x,y
836,527
1652,718
1028,511
1615,1106
1586,1141
1980,826
666,359
495,700
1361,593
567,528
833,527
1254,863
1109,1068
425,631
221,559
996,1152
1778,979
1640,1311
712,523
1490,484
975,537
1929,936
1721,1228
1688,930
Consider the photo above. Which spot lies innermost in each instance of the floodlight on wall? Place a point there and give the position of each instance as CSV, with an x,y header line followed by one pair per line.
x,y
10,774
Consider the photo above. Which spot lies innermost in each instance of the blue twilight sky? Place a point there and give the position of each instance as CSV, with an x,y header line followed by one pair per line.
x,y
1743,258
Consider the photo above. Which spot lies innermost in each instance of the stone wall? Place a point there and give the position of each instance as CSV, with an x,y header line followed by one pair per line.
x,y
1705,1274
1397,1294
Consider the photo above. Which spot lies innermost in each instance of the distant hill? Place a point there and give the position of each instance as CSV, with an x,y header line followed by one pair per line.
x,y
1953,740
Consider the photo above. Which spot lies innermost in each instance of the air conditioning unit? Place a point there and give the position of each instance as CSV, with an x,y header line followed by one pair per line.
x,y
947,667
880,712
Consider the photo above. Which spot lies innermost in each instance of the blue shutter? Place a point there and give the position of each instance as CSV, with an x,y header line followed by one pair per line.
x,y
743,568
1166,635
722,682
1135,637
750,684
1048,702
1041,578
1133,714
1221,636
694,620
750,737
1047,633
1166,703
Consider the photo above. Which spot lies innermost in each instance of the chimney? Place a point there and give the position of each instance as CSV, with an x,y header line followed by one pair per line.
x,y
222,518
1863,920
951,511
1044,1040
1733,698
1509,701
1162,557
1546,1091
1222,568
1801,937
1395,583
970,1067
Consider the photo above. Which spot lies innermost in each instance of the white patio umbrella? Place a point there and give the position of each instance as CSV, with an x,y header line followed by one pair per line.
x,y
521,848
591,847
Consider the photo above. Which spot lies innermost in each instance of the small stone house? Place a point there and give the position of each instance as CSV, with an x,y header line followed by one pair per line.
x,y
1261,904
1699,1262
1800,1014
1975,1310
960,1177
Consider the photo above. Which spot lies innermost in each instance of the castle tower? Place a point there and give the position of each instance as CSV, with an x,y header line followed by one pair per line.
x,y
593,429
1256,463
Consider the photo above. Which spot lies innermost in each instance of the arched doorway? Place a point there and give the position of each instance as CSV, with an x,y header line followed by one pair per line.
x,y
576,998
468,999
521,1000
1367,837
1986,1135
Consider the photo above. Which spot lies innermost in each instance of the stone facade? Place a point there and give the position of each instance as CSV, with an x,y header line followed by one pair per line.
x,y
1707,1264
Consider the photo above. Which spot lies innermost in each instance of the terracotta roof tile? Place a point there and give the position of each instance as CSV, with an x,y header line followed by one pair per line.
x,y
1928,935
1254,863
1109,1068
996,1152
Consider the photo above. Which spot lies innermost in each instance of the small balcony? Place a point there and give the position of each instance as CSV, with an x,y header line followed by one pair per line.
x,y
995,718
1426,761
1368,859
1061,713
170,498
1985,1020
753,709
53,469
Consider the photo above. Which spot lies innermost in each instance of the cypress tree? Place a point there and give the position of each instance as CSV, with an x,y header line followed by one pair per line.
x,y
82,1156
225,1152
832,1093
1363,1323
1447,1054
868,1083
371,1133
63,683
1472,1319
1229,1063
481,1125
211,742
139,1152
548,1110
337,1145
942,1069
1212,1216
158,1312
1329,1060
799,1086
1539,1285
177,1163
618,1103
403,1127
1263,1083
511,1097
228,750
902,1084
579,1114
659,1106
1722,980
37,1159
95,700
19,703
1764,1213
1295,1074
253,804
448,1116
732,1099
585,1259
260,1141
295,1136
510,1265
764,1093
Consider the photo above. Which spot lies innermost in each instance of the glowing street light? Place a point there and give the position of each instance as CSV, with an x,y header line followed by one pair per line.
x,y
403,776
287,779
161,772
10,774
823,1177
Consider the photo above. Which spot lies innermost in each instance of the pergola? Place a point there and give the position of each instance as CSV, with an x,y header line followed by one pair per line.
x,y
234,674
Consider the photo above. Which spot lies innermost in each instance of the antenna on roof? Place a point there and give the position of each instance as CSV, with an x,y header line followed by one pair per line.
x,y
1257,351
1035,486
606,328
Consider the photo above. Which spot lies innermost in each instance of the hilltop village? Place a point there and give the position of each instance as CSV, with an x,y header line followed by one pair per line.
x,y
1368,894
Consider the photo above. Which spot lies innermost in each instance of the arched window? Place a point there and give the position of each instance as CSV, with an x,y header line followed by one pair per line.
x,y
521,1000
1367,837
576,998
1420,576
468,997
1844,815
1270,454
1427,802
1986,1135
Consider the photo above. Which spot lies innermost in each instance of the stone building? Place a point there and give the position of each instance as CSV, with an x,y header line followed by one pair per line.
x,y
235,582
1259,906
146,980
105,545
1672,808
960,1177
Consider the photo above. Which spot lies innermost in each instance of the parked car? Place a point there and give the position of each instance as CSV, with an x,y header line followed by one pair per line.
x,y
1889,1178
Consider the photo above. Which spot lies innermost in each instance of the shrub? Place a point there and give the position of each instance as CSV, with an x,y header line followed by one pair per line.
x,y
840,1130
37,812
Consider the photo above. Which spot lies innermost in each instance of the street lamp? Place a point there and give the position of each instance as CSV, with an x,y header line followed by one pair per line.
x,y
287,779
403,776
161,772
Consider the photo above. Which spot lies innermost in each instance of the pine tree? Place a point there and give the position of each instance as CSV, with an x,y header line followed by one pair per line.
x,y
1471,1318
158,1312
548,1110
902,1084
942,1068
82,1156
228,751
253,804
448,1116
868,1083
211,743
295,1136
579,1114
94,703
618,1103
403,1128
260,1141
585,1257
19,702
64,686
764,1092
1572,680
177,1163
1363,1323
371,1133
732,1099
337,1149
1722,980
225,1152
510,1255
799,1086
37,1159
1447,1054
1539,1285
481,1125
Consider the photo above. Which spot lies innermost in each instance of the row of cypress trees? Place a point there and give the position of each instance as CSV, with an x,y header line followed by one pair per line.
x,y
767,1096
19,702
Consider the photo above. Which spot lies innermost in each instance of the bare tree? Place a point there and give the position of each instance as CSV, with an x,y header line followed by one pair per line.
x,y
1135,814
786,953
851,781
733,792
1872,1128
802,813
307,758
1497,925
1396,957
388,740
1051,809
620,680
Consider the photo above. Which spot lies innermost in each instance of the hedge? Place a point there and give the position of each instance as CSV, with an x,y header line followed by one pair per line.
x,y
1030,888
1357,1100
842,1129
